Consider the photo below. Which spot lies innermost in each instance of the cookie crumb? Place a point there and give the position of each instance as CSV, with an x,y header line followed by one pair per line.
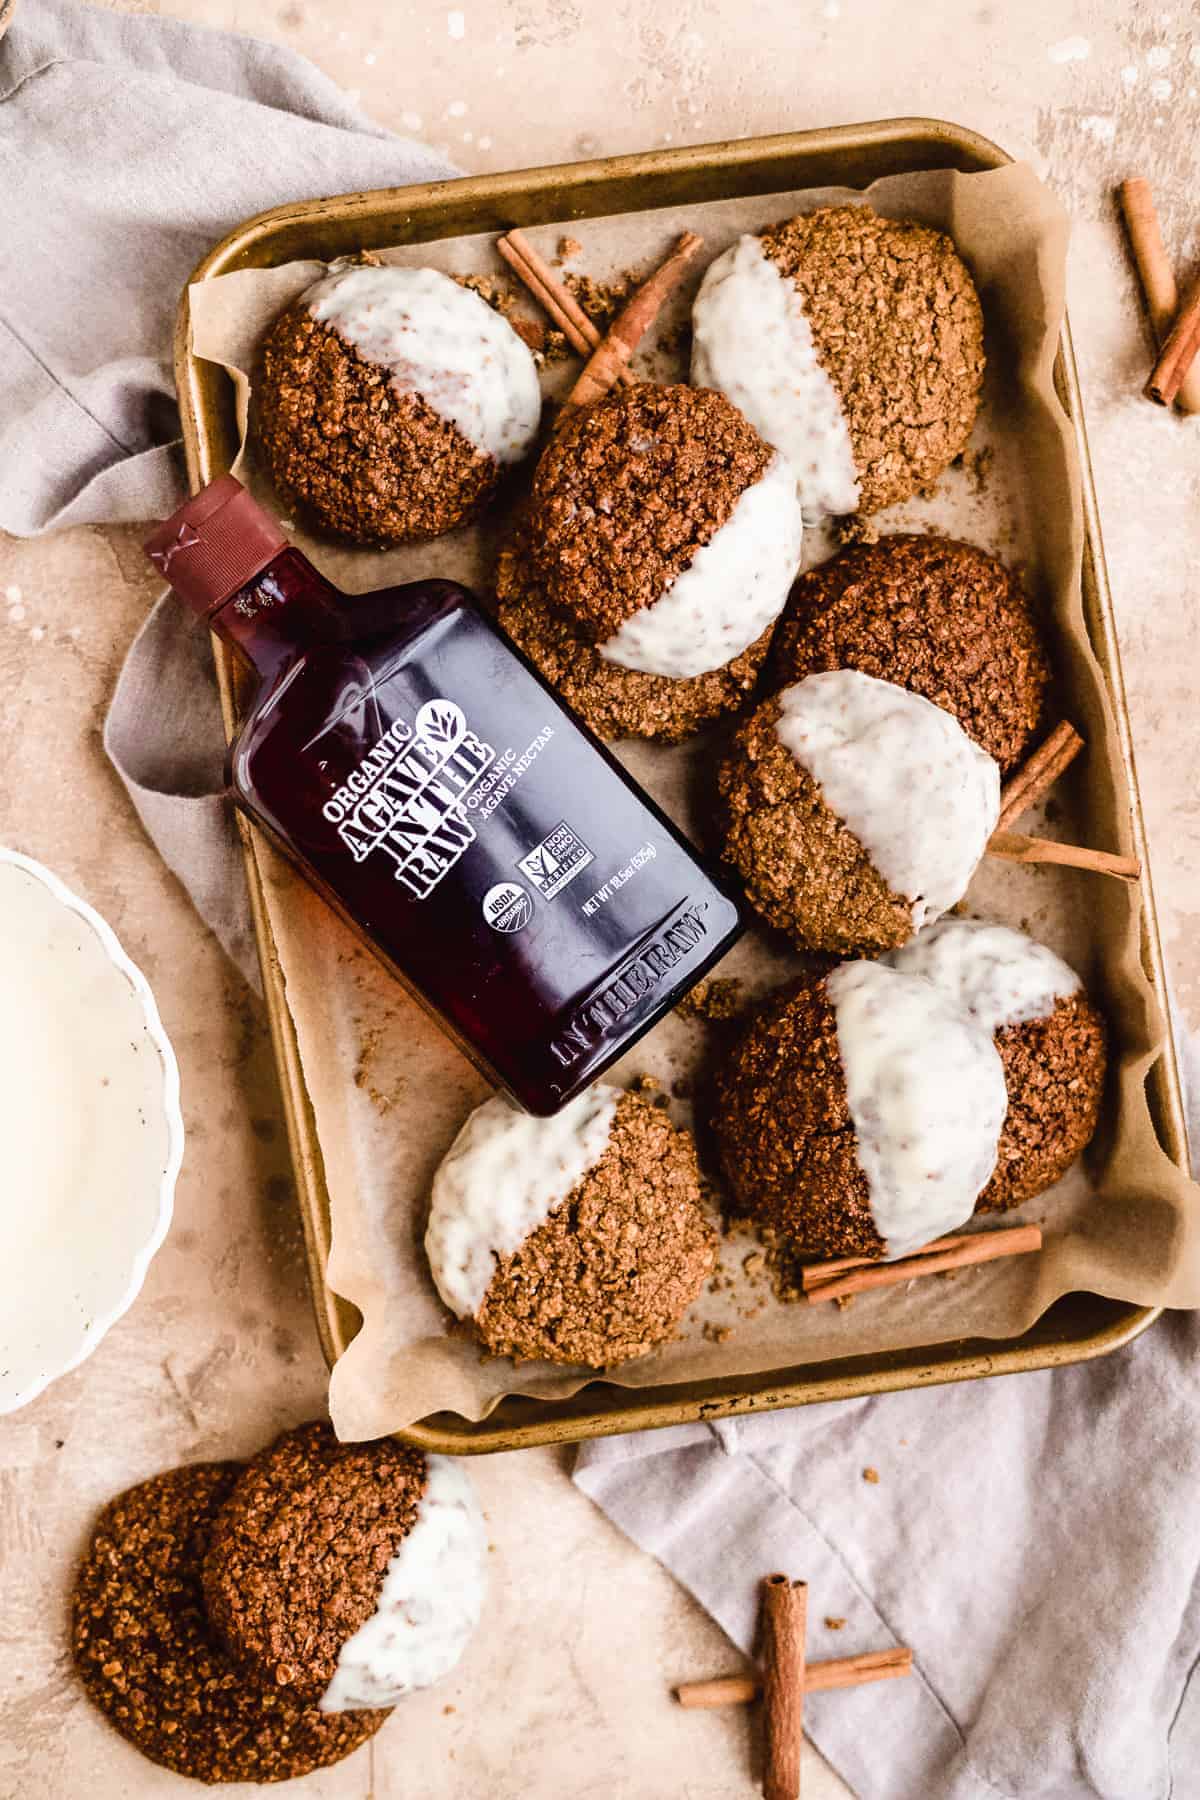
x,y
855,528
500,295
754,1264
676,341
834,1624
871,1475
569,247
716,1334
978,466
717,999
600,300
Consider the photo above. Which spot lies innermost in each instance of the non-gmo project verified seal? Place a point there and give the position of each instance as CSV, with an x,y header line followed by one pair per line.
x,y
556,860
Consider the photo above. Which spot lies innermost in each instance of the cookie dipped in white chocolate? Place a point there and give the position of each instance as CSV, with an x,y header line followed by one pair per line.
x,y
902,775
752,341
429,1604
732,589
501,1179
442,342
997,975
926,1094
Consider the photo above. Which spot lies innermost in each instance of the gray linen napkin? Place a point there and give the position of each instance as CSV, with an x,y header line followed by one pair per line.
x,y
1035,1539
128,147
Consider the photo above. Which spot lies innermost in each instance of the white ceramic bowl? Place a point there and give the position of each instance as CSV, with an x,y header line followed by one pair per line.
x,y
91,1136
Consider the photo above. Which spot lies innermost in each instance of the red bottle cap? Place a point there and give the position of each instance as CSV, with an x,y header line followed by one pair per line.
x,y
214,544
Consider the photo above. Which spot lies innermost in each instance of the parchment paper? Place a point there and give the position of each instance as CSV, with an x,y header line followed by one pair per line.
x,y
388,1090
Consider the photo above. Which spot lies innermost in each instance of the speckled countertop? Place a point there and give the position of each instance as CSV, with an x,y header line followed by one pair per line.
x,y
565,1692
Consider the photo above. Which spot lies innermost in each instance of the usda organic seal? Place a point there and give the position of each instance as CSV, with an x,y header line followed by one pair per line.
x,y
507,906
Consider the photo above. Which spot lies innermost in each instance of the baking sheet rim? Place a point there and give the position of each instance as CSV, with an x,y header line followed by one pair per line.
x,y
587,1414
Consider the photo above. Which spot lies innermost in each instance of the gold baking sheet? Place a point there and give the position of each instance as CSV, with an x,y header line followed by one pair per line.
x,y
1076,1326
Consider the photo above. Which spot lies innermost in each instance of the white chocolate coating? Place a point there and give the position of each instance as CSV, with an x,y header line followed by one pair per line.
x,y
902,775
441,341
430,1602
997,975
926,1091
730,591
753,341
501,1178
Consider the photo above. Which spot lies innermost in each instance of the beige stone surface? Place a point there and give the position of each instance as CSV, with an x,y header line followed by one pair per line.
x,y
565,1689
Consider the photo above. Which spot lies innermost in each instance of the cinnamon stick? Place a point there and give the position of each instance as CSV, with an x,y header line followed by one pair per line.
x,y
551,294
1178,353
1159,287
611,357
1015,846
981,1247
1037,775
784,1620
1034,779
819,1677
815,1274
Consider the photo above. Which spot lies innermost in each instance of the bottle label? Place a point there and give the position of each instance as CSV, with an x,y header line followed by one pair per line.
x,y
407,798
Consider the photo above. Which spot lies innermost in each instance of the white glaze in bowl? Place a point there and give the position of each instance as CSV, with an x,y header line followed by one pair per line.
x,y
90,1126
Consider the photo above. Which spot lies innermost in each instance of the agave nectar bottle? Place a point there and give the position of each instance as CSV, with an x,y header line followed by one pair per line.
x,y
417,770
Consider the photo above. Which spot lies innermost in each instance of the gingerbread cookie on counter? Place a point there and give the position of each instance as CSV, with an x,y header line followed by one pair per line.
x,y
149,1658
579,1238
347,1574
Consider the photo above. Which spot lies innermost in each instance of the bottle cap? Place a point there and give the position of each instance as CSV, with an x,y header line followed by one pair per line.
x,y
214,544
